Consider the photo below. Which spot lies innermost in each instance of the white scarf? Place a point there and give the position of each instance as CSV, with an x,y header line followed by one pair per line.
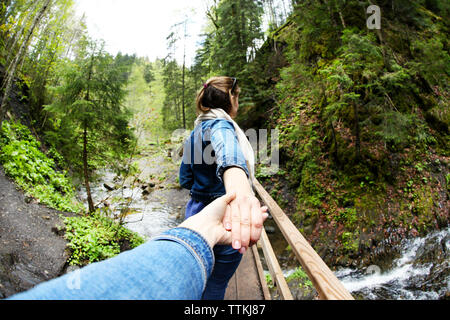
x,y
245,145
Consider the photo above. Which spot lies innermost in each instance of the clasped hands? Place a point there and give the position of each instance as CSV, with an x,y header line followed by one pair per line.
x,y
230,219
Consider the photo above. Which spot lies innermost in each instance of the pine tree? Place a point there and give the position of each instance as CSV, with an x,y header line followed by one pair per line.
x,y
233,40
93,125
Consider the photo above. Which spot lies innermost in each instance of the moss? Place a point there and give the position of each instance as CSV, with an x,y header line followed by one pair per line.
x,y
350,242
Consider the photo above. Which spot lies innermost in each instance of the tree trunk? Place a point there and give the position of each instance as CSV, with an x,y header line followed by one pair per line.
x,y
335,151
184,75
357,133
85,155
86,171
10,46
8,82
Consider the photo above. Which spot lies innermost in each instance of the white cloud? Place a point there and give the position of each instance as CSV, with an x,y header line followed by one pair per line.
x,y
141,26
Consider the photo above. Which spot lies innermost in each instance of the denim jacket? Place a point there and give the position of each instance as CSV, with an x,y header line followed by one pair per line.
x,y
149,272
211,148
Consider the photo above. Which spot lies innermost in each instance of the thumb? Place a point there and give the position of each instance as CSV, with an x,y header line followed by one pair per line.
x,y
218,207
229,197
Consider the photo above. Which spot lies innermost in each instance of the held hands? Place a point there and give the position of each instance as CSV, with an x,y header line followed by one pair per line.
x,y
221,222
244,217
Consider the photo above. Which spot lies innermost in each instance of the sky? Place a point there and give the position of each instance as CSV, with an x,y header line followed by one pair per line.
x,y
141,26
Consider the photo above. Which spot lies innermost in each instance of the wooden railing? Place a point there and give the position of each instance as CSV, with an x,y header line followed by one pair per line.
x,y
327,285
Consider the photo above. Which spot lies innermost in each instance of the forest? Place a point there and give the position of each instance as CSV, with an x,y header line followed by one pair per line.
x,y
363,113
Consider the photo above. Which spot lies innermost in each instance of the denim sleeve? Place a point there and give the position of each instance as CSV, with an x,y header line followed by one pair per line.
x,y
172,266
226,147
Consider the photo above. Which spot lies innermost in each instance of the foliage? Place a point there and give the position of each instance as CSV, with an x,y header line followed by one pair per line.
x,y
33,170
302,277
269,281
96,237
357,110
91,126
231,41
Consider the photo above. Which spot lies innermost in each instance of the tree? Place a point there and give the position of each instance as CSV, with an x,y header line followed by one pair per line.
x,y
237,31
8,81
50,47
148,73
93,125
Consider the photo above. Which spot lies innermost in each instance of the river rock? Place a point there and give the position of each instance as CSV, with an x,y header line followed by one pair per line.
x,y
270,229
108,187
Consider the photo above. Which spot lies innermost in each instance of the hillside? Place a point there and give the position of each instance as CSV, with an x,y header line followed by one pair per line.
x,y
363,117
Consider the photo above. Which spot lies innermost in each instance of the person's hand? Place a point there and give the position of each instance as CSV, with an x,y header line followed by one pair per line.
x,y
209,222
245,221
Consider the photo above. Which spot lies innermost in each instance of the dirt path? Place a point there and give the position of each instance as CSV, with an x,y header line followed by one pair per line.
x,y
31,251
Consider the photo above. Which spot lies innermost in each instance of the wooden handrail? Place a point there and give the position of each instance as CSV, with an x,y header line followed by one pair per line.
x,y
324,280
262,279
274,267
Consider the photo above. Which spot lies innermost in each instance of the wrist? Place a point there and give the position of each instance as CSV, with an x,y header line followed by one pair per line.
x,y
202,226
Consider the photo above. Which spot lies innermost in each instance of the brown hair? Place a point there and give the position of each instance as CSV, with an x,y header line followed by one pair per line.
x,y
216,94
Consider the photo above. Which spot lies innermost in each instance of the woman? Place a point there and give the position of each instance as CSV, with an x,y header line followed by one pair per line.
x,y
218,159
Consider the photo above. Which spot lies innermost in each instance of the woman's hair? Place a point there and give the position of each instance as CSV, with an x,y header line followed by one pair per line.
x,y
215,94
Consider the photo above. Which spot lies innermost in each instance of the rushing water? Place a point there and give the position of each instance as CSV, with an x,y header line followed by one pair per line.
x,y
418,269
421,271
147,218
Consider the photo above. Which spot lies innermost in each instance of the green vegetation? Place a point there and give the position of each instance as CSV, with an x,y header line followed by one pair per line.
x,y
269,281
96,237
88,120
34,171
74,93
300,276
363,114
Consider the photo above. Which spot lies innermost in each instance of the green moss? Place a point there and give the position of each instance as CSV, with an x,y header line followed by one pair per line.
x,y
350,241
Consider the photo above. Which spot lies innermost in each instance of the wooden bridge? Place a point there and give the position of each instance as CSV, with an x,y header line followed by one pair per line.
x,y
249,283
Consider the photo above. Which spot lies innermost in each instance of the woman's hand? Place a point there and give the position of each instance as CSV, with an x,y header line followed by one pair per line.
x,y
245,221
243,215
209,224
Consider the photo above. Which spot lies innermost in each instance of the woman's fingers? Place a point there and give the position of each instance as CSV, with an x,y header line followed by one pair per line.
x,y
227,217
247,219
245,207
257,221
235,226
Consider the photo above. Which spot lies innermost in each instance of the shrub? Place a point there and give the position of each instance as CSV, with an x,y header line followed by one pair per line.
x,y
96,237
33,171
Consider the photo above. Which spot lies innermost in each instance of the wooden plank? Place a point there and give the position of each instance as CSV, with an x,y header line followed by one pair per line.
x,y
231,292
274,267
262,278
245,283
326,283
248,284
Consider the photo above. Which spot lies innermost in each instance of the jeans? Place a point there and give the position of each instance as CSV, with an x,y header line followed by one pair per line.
x,y
173,266
227,261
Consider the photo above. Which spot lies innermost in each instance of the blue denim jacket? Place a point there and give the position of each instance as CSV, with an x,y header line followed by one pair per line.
x,y
211,148
173,266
